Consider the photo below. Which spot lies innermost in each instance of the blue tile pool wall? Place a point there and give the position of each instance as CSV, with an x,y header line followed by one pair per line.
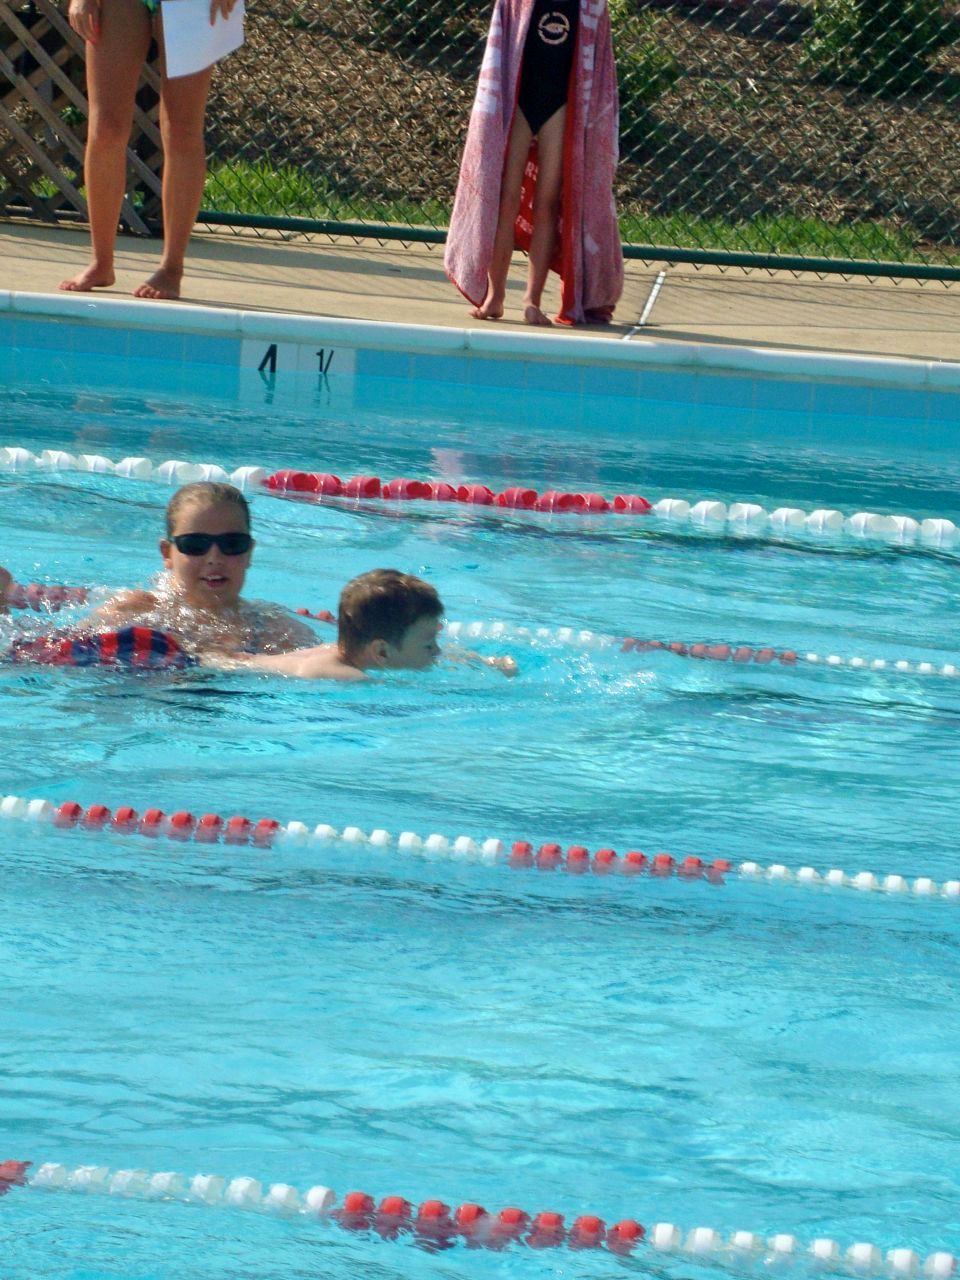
x,y
566,393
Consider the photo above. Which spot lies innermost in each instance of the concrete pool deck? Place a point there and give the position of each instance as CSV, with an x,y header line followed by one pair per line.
x,y
402,284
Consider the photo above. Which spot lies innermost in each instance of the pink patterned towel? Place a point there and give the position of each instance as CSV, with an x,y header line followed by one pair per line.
x,y
589,258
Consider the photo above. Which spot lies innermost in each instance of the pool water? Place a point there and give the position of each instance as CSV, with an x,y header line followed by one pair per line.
x,y
742,1055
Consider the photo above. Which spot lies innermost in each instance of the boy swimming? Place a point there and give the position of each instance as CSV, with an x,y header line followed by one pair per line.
x,y
387,620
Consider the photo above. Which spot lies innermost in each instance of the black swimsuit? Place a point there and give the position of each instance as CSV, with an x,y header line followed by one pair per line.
x,y
547,60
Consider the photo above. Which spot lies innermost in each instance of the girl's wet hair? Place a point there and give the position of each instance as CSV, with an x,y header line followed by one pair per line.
x,y
205,493
382,605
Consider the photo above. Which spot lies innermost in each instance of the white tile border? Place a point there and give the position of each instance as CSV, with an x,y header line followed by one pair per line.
x,y
437,340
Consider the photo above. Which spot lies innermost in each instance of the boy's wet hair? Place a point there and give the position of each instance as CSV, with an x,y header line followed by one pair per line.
x,y
206,493
382,605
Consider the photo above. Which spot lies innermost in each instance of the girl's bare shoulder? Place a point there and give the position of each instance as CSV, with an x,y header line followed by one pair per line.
x,y
131,601
123,606
278,630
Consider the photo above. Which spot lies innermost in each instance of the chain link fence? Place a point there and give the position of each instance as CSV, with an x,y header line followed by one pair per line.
x,y
799,133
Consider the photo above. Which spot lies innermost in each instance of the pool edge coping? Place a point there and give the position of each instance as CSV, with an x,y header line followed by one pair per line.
x,y
419,339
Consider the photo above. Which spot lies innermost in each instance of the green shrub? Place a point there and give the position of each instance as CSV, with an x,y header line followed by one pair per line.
x,y
258,188
646,66
881,45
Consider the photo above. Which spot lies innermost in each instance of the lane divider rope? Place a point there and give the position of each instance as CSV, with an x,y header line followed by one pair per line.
x,y
736,653
43,597
576,859
739,654
707,513
436,1224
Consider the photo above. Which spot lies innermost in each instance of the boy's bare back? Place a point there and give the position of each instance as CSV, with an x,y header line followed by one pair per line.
x,y
321,662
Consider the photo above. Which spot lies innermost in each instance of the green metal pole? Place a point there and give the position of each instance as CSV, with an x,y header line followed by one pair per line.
x,y
641,252
323,227
793,262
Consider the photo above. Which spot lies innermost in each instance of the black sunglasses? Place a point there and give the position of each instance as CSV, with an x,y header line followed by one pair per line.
x,y
198,544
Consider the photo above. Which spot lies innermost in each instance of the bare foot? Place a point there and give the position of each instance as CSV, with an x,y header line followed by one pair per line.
x,y
533,315
164,283
93,277
491,308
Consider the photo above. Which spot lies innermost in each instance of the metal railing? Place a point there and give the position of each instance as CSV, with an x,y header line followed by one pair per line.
x,y
801,133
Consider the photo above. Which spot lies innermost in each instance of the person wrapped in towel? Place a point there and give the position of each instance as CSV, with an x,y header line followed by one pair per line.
x,y
539,162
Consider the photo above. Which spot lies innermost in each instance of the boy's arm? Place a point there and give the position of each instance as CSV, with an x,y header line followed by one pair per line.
x,y
287,664
322,662
505,664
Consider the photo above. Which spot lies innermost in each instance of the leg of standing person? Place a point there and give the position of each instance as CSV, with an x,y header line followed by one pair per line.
x,y
518,147
546,211
114,60
183,104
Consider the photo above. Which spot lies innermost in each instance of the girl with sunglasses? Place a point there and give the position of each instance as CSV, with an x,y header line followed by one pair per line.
x,y
206,554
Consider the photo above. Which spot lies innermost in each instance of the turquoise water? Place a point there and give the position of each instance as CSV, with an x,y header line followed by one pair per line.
x,y
743,1056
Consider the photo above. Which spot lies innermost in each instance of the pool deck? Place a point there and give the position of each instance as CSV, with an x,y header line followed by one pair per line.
x,y
402,284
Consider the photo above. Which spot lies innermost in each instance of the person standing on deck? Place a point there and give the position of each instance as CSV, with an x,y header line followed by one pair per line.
x,y
118,35
539,162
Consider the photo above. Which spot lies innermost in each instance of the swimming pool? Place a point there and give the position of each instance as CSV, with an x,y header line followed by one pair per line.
x,y
756,1055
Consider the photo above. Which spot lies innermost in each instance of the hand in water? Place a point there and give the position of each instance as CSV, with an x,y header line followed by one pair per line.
x,y
507,665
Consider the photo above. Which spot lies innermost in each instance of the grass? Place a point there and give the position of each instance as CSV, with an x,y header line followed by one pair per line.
x,y
292,193
790,236
45,188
